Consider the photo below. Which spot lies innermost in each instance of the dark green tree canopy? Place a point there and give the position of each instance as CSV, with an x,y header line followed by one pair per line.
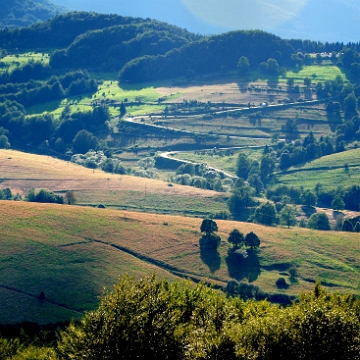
x,y
84,141
236,238
319,221
288,216
252,240
243,65
266,214
208,227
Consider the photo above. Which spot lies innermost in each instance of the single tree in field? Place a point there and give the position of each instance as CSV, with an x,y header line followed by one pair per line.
x,y
319,221
252,240
266,214
210,239
208,227
307,82
69,197
338,203
243,65
288,216
236,238
290,83
122,109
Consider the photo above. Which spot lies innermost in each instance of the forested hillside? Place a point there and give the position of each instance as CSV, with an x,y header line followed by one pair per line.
x,y
212,54
14,13
111,48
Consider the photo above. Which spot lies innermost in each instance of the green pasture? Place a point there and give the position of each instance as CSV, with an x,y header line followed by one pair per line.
x,y
50,252
328,170
11,62
350,157
147,201
325,256
329,178
138,101
221,159
316,73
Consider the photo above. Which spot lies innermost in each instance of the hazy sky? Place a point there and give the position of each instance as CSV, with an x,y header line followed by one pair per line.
x,y
323,20
245,14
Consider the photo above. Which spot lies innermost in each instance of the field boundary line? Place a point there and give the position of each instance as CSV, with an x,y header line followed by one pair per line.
x,y
171,269
10,288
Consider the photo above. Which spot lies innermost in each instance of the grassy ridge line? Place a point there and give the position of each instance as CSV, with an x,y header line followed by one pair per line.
x,y
319,168
351,157
330,178
327,170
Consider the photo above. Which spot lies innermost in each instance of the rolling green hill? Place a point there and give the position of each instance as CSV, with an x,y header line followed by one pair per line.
x,y
17,13
71,253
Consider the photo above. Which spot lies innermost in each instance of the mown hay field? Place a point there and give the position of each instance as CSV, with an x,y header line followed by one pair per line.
x,y
22,171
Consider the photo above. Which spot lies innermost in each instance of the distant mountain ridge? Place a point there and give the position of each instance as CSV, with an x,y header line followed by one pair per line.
x,y
318,20
17,13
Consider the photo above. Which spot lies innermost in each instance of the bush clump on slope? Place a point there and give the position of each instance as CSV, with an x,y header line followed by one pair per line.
x,y
156,319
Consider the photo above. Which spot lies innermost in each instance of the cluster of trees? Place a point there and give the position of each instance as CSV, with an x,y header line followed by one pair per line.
x,y
238,240
201,176
310,46
211,240
6,194
242,205
97,159
301,151
74,130
257,174
44,196
163,320
23,85
337,199
47,196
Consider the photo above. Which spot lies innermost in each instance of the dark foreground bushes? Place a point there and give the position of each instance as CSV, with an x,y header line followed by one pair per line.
x,y
158,319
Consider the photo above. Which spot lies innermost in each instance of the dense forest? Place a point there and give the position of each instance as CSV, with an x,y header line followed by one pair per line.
x,y
14,13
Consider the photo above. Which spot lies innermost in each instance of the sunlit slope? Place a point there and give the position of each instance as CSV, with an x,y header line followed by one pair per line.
x,y
22,171
71,253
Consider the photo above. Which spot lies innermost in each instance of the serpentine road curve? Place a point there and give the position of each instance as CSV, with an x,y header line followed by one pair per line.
x,y
170,154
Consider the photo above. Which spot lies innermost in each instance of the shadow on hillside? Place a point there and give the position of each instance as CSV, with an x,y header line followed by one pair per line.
x,y
243,86
240,268
209,255
334,121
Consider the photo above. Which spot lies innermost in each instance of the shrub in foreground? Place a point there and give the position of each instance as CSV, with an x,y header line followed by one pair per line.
x,y
158,319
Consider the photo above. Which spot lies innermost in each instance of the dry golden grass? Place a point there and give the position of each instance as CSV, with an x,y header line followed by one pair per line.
x,y
22,171
226,91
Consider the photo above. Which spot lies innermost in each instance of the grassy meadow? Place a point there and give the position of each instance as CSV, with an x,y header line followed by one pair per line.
x,y
11,62
328,170
71,253
316,73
